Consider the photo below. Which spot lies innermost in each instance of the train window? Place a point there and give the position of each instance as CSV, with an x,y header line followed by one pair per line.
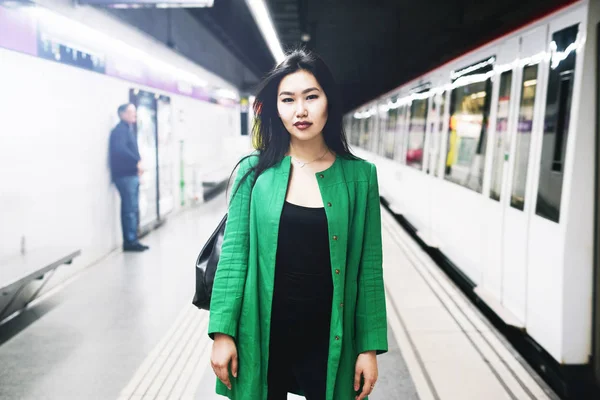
x,y
368,133
433,117
358,131
382,120
390,133
354,131
381,129
442,100
502,141
348,127
401,135
363,137
376,134
469,111
361,133
523,141
556,126
416,133
373,137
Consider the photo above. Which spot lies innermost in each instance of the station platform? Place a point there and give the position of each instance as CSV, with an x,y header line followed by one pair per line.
x,y
124,328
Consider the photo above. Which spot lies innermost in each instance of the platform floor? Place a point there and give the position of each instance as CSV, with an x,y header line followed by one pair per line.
x,y
124,328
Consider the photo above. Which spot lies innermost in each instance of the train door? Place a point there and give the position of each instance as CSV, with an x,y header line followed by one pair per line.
x,y
518,201
382,127
402,135
390,123
502,122
417,179
417,128
431,124
365,131
372,125
431,161
374,134
438,162
147,143
166,157
437,133
596,322
562,168
355,131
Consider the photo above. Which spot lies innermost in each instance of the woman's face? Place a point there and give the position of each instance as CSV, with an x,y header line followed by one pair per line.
x,y
302,105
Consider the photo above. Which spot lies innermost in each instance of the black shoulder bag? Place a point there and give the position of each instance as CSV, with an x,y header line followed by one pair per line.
x,y
206,266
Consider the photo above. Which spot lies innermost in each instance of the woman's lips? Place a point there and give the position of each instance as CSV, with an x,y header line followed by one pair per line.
x,y
302,125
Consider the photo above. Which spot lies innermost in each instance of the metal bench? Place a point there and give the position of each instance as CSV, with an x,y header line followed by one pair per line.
x,y
18,274
215,182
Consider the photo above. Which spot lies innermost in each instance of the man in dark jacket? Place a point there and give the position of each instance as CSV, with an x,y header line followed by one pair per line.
x,y
125,170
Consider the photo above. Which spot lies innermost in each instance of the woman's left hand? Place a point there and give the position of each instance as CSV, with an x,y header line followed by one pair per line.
x,y
366,366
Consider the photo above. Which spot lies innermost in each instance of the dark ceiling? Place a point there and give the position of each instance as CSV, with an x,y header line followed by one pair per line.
x,y
372,46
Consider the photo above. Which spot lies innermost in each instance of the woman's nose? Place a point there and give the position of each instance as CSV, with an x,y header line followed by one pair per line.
x,y
300,109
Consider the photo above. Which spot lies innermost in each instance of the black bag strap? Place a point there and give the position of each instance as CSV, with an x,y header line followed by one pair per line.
x,y
239,184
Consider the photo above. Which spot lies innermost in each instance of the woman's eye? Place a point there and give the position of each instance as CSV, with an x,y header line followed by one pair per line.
x,y
312,96
287,100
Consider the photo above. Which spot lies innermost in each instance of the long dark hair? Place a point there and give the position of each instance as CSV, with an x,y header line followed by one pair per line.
x,y
269,136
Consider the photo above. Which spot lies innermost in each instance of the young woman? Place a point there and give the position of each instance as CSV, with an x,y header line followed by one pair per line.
x,y
298,300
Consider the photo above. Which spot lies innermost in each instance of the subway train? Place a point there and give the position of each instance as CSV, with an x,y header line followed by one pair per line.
x,y
491,161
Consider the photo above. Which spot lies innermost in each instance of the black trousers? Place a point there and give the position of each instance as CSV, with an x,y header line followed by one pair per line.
x,y
297,361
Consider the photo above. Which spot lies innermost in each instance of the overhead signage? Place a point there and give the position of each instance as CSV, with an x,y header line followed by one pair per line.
x,y
42,33
149,3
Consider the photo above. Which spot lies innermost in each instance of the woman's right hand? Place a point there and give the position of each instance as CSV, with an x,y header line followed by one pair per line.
x,y
224,352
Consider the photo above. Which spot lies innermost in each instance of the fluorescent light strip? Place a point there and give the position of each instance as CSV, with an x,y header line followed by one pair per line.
x,y
197,3
265,24
551,56
456,75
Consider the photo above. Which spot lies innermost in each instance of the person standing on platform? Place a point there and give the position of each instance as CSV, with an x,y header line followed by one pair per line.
x,y
125,166
298,301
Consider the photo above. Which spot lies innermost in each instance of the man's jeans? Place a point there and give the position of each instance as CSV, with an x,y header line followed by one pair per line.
x,y
129,188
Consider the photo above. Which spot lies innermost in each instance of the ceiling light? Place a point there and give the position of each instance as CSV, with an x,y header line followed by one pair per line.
x,y
265,24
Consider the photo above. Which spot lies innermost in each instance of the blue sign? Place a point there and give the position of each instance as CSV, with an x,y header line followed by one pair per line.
x,y
67,53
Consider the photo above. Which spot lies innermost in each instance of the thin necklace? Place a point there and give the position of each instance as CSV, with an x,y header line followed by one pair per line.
x,y
301,164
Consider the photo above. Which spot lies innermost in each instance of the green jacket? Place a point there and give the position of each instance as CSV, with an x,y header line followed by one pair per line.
x,y
243,287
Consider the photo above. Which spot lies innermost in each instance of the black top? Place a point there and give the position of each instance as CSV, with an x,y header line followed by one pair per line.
x,y
123,150
303,290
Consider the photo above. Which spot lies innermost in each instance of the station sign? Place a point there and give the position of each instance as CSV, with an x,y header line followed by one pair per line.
x,y
149,3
